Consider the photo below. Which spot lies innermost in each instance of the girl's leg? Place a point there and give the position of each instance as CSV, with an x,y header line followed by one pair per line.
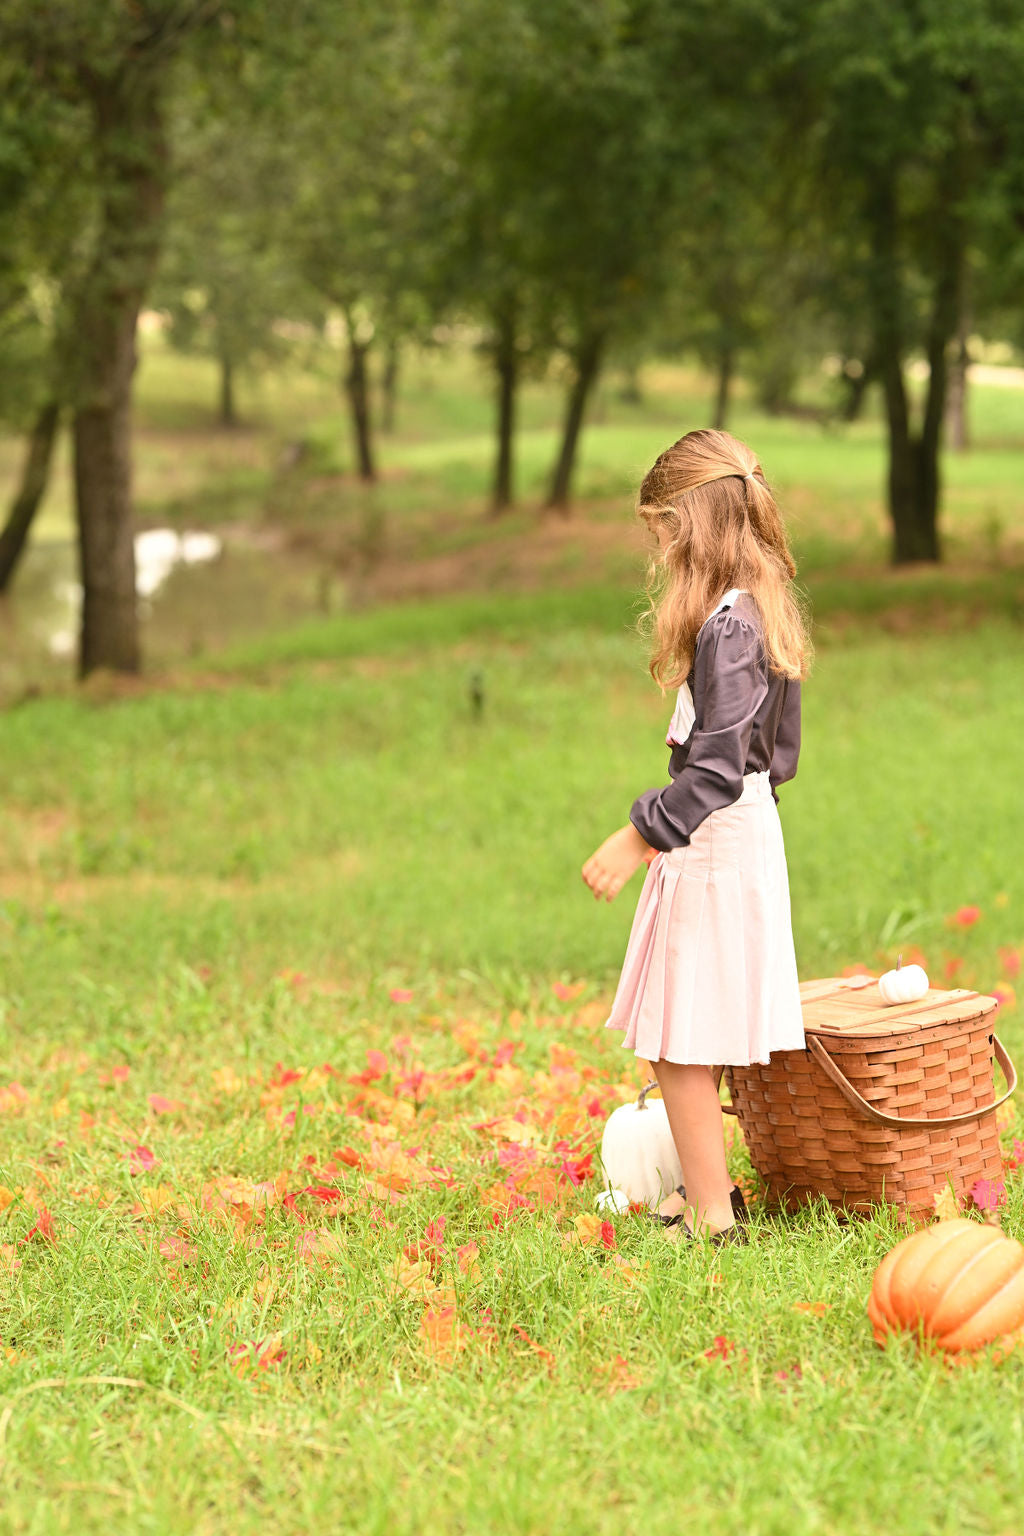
x,y
695,1120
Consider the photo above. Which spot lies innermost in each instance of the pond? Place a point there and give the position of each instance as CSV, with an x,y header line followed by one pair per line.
x,y
198,590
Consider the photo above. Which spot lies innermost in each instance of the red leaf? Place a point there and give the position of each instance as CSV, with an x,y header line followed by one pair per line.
x,y
607,1234
1010,959
725,1349
400,995
325,1193
179,1248
43,1228
434,1232
988,1194
141,1159
161,1106
282,1077
966,917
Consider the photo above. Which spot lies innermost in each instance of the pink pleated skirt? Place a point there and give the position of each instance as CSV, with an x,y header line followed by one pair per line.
x,y
710,972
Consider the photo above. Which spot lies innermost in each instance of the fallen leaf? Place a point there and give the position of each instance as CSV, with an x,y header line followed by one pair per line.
x,y
179,1249
162,1106
140,1158
617,1375
947,1206
589,1229
155,1199
811,1308
724,1349
988,1194
467,1258
538,1349
256,1356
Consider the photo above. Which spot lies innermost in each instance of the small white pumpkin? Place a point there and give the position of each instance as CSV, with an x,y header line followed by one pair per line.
x,y
638,1153
906,984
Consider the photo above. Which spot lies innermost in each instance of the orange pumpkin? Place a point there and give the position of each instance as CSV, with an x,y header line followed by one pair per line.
x,y
958,1284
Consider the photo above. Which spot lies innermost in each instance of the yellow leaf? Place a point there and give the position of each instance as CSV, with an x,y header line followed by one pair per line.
x,y
627,1274
523,1132
156,1199
947,1206
227,1081
1006,1114
7,1197
414,1275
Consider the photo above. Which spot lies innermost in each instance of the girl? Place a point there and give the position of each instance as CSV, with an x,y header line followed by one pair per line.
x,y
710,976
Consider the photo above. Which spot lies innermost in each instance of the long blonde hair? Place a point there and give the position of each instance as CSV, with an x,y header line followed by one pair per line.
x,y
725,531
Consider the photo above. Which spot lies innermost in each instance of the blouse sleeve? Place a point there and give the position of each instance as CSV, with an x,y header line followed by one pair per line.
x,y
730,684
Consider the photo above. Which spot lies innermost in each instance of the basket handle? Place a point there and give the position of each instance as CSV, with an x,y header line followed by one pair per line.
x,y
849,1092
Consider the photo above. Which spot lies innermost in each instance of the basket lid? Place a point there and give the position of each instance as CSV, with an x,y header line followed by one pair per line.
x,y
852,1005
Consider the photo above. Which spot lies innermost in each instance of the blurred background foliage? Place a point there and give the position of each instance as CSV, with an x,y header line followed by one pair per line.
x,y
355,246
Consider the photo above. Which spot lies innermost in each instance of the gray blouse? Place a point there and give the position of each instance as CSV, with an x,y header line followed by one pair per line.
x,y
746,719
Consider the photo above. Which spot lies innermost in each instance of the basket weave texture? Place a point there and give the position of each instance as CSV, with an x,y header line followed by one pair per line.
x,y
927,1061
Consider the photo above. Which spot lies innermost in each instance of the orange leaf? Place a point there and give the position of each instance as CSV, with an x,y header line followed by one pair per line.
x,y
811,1308
538,1349
617,1375
441,1335
589,1229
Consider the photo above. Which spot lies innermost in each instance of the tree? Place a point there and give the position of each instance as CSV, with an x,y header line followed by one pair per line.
x,y
354,95
226,276
909,116
42,209
112,63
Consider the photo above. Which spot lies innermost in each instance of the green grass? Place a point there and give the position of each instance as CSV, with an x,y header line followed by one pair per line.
x,y
296,843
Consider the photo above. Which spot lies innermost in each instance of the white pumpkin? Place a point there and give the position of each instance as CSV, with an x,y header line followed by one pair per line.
x,y
906,984
638,1153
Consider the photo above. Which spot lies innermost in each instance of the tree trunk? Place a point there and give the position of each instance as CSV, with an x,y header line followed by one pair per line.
x,y
131,155
588,365
957,434
910,540
34,476
228,414
357,388
726,359
506,362
856,386
389,385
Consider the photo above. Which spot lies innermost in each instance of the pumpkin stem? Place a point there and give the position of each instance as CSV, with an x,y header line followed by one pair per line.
x,y
642,1095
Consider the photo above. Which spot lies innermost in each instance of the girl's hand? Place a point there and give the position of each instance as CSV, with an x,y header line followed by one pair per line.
x,y
607,870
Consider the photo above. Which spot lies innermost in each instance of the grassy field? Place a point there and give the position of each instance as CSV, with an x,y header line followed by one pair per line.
x,y
302,995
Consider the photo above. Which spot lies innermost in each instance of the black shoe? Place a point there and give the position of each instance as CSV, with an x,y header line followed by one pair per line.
x,y
739,1208
737,1233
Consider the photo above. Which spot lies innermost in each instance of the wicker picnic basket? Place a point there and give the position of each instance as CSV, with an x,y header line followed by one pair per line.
x,y
886,1103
